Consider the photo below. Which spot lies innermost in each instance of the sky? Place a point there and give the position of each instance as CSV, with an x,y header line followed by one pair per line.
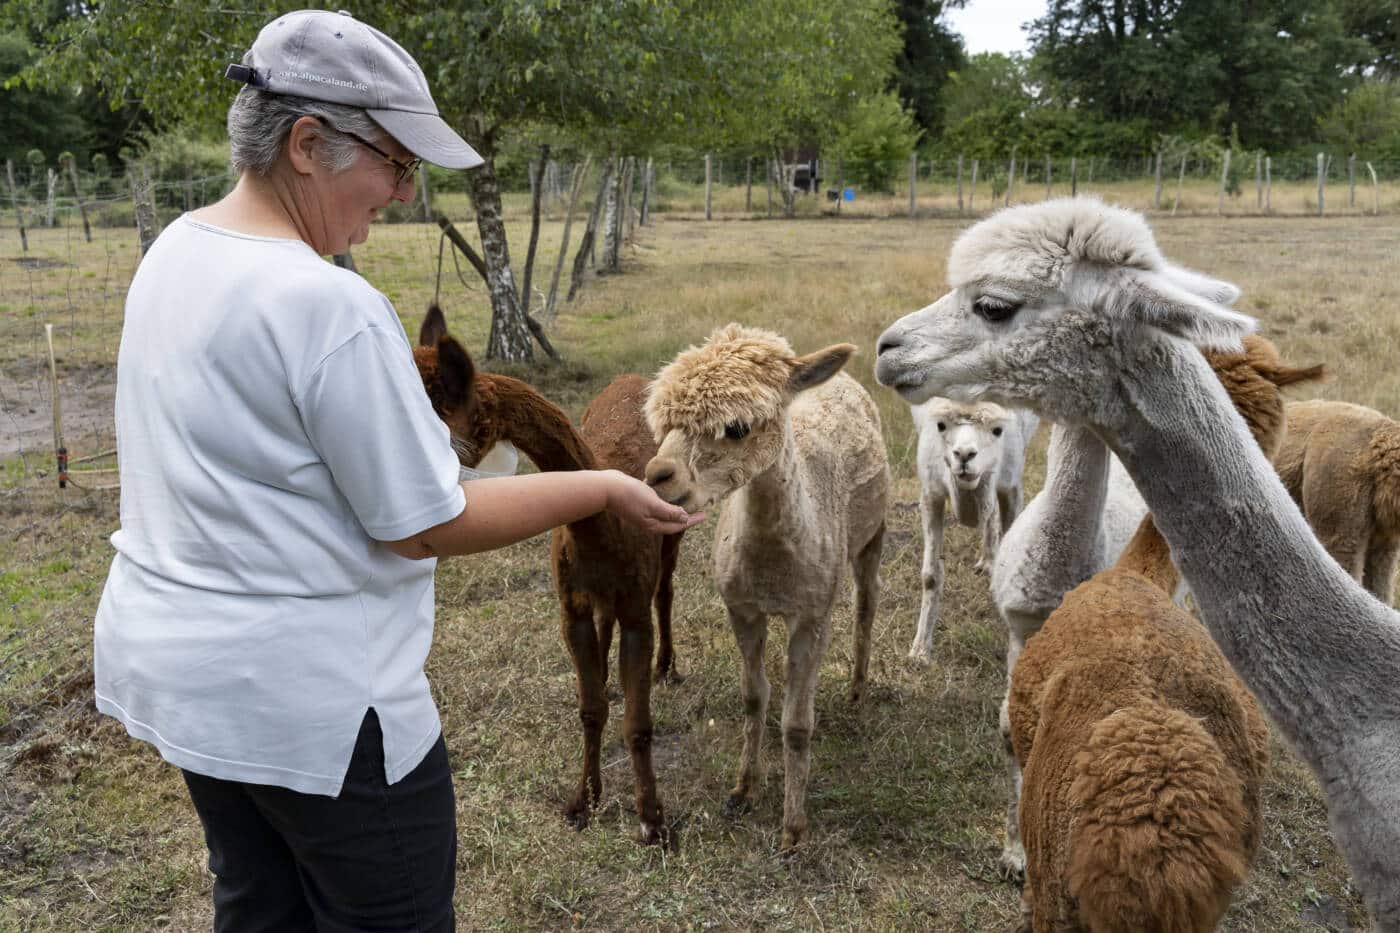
x,y
995,25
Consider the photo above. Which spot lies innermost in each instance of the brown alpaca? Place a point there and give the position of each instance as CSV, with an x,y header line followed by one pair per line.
x,y
605,571
1341,464
1143,752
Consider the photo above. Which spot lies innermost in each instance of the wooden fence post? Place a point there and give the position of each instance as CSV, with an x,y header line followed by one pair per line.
x,y
708,214
1010,176
1258,181
1074,176
1224,180
147,223
1268,183
14,199
1375,190
972,189
52,181
78,196
772,168
1180,180
1157,183
425,194
960,188
648,180
840,181
913,177
1351,178
1321,181
1049,173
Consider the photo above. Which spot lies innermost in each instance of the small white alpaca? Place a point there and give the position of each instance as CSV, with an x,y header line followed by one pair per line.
x,y
970,456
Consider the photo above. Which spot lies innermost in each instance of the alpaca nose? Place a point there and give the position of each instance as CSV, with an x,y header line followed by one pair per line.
x,y
887,342
964,456
659,471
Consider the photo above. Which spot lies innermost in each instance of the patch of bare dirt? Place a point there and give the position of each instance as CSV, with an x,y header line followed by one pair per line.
x,y
86,394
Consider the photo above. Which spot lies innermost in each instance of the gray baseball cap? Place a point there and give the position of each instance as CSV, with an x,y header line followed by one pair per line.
x,y
335,58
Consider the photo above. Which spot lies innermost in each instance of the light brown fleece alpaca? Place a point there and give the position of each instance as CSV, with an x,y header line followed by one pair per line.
x,y
606,572
795,446
1341,464
1143,753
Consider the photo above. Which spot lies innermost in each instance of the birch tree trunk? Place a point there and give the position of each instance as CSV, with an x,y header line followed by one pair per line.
x,y
783,176
147,224
510,336
612,222
538,193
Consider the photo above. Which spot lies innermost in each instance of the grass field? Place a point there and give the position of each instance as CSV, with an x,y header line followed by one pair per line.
x,y
907,790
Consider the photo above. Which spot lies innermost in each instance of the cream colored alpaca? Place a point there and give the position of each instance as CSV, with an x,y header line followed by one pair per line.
x,y
794,447
970,457
1068,308
1341,464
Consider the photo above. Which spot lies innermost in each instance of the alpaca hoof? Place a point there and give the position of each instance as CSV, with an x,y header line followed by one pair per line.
x,y
670,677
1013,864
792,840
736,806
982,567
576,814
653,834
857,692
921,658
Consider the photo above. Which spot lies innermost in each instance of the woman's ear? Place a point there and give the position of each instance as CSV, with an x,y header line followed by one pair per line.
x,y
306,134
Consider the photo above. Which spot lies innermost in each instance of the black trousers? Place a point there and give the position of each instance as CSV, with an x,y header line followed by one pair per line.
x,y
379,857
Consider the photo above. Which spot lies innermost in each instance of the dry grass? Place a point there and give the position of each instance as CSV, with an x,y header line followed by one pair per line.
x,y
907,790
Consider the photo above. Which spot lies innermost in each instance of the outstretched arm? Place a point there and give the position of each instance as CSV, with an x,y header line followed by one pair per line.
x,y
504,510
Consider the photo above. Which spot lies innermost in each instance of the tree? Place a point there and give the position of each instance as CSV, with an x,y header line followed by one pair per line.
x,y
931,52
34,119
1378,22
1271,69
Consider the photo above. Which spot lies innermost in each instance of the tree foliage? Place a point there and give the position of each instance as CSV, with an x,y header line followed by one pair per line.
x,y
931,52
1270,69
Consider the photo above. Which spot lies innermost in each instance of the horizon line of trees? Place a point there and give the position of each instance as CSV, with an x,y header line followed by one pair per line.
x,y
864,81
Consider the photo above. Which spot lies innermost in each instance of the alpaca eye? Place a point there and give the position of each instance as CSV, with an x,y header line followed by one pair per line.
x,y
996,432
736,430
942,426
995,310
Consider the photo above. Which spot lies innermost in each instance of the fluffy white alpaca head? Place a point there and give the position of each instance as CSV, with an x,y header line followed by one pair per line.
x,y
1050,304
968,438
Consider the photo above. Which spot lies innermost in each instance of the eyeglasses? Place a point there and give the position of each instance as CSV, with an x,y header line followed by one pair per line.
x,y
405,169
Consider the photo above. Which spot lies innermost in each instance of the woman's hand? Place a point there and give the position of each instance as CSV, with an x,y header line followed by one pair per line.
x,y
636,503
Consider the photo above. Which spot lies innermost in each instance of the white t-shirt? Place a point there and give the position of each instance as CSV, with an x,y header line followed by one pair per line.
x,y
272,429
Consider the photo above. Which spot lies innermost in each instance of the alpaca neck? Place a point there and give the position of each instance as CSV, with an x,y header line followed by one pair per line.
x,y
1076,488
539,428
1314,647
1148,555
775,501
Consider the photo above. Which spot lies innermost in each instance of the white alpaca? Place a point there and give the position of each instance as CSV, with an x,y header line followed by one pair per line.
x,y
970,457
1068,308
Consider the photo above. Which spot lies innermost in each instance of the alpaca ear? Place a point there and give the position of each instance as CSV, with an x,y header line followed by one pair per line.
x,y
1154,300
816,368
434,327
455,373
1216,291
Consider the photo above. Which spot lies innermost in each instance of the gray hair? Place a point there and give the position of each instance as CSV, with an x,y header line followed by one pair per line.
x,y
259,124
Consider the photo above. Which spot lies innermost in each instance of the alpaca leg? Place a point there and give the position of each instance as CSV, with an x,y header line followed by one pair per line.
x,y
582,639
1009,506
665,657
989,525
1013,854
751,632
807,641
931,507
1342,528
1381,559
634,669
867,576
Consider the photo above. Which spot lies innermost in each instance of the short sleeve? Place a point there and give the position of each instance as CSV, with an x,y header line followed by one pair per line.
x,y
365,412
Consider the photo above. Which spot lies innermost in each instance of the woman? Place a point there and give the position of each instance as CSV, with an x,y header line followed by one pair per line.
x,y
286,487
